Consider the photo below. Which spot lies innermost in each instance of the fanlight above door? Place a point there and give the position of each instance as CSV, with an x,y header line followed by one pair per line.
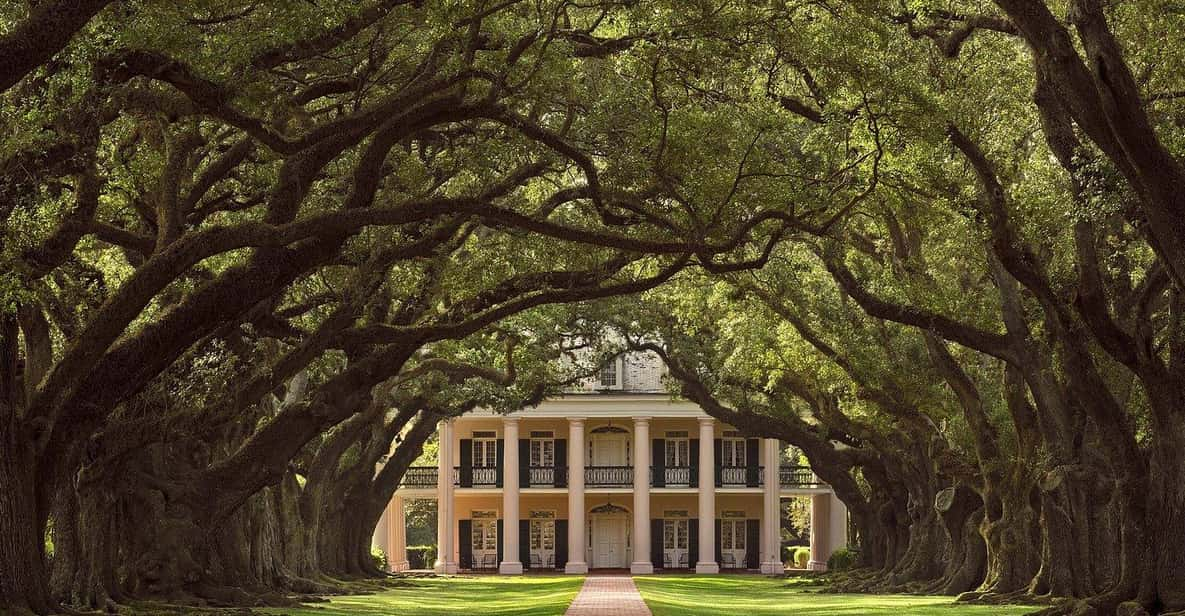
x,y
608,508
609,430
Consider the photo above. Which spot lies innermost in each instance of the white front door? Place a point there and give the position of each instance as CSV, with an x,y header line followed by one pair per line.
x,y
609,451
674,544
732,543
542,543
609,547
484,542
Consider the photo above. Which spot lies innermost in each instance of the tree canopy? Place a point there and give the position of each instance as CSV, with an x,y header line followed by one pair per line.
x,y
253,252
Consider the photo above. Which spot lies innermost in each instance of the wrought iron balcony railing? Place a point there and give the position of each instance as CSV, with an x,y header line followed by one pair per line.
x,y
617,477
420,477
485,477
733,476
547,477
798,477
679,476
608,476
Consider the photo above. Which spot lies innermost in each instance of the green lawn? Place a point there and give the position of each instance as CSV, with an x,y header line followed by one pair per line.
x,y
531,595
729,595
667,595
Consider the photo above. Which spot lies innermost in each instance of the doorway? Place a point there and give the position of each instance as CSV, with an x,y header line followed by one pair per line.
x,y
732,543
675,536
609,446
542,540
484,540
609,537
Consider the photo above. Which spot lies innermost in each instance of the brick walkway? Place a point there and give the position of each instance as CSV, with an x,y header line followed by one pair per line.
x,y
608,595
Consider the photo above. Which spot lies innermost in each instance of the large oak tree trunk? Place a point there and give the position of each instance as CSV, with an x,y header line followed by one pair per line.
x,y
24,583
961,512
1012,537
1066,535
1164,515
927,550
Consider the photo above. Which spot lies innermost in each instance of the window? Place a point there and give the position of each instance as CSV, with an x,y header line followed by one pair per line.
x,y
542,534
674,534
677,450
609,376
485,453
732,534
733,453
485,535
542,452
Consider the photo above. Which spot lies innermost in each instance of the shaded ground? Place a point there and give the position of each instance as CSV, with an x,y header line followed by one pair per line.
x,y
531,595
730,595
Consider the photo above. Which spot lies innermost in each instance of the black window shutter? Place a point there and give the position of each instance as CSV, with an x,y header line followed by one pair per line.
x,y
561,543
466,463
693,444
524,543
561,465
719,549
659,460
524,462
465,534
717,456
499,557
500,456
656,544
692,542
752,538
751,465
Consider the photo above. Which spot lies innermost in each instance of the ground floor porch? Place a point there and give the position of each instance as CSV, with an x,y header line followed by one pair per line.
x,y
673,531
609,540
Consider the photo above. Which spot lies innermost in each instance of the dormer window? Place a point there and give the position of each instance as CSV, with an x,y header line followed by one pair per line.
x,y
610,375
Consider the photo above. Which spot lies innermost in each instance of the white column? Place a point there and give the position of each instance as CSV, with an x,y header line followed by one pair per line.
x,y
641,538
837,537
511,564
397,536
576,544
771,527
382,536
707,498
820,531
445,516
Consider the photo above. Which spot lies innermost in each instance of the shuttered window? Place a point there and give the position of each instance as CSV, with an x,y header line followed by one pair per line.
x,y
485,453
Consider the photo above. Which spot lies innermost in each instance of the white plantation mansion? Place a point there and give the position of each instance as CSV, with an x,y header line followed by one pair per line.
x,y
613,476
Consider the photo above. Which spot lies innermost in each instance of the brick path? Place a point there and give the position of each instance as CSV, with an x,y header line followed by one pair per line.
x,y
608,595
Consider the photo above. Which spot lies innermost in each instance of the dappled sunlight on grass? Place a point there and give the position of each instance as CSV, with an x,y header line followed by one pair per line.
x,y
504,596
667,595
729,595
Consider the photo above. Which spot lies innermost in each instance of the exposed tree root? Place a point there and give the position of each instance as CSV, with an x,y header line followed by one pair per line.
x,y
1002,598
870,581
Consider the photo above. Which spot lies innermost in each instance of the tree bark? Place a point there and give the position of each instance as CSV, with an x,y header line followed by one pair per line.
x,y
39,37
24,583
1164,513
961,511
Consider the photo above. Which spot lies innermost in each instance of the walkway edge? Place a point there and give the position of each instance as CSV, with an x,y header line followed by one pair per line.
x,y
608,595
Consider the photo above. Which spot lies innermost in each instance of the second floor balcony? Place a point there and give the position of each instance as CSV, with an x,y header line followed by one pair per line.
x,y
789,477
